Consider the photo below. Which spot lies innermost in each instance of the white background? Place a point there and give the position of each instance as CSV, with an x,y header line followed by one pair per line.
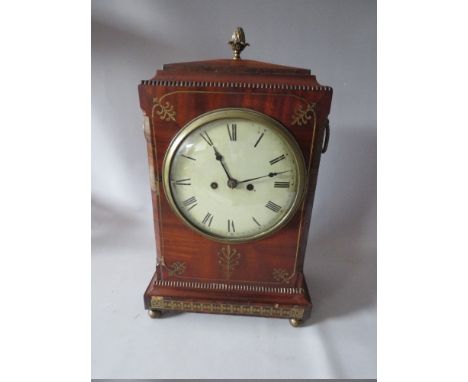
x,y
44,243
337,40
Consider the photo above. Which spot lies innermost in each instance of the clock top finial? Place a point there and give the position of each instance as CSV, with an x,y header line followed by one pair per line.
x,y
238,43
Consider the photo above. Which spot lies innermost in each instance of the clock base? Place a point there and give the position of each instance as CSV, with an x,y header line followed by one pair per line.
x,y
234,299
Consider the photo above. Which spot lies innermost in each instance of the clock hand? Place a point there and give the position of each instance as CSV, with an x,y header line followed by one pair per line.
x,y
271,175
232,183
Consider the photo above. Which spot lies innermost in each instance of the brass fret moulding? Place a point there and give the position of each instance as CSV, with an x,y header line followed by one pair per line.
x,y
161,303
228,287
249,115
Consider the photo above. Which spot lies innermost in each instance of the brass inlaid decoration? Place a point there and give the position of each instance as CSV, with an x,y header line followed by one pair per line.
x,y
250,85
228,259
280,275
176,269
310,108
227,287
302,116
294,311
165,110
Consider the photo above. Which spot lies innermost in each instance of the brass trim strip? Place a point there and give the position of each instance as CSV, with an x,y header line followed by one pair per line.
x,y
303,207
227,287
229,93
248,85
212,307
154,178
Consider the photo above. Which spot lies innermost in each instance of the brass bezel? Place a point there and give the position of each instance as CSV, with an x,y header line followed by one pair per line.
x,y
250,115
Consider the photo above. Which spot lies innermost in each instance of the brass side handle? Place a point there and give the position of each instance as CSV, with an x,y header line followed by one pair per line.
x,y
326,137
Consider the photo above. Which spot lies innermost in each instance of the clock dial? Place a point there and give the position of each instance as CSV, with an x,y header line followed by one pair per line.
x,y
234,175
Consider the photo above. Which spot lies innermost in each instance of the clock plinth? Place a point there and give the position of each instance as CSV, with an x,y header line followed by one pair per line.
x,y
227,298
226,243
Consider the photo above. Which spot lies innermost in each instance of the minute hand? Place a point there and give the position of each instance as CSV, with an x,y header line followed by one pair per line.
x,y
219,158
271,175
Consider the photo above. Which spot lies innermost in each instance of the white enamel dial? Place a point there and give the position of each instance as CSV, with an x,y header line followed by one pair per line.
x,y
234,175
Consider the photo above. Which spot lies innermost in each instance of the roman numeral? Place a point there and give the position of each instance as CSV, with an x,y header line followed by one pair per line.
x,y
231,226
186,156
207,219
192,202
272,206
232,131
256,222
282,184
206,137
277,159
182,182
258,140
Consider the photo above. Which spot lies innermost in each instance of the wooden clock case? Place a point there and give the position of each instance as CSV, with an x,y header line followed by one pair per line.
x,y
197,274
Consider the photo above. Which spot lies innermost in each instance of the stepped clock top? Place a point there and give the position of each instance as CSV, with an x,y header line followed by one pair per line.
x,y
234,65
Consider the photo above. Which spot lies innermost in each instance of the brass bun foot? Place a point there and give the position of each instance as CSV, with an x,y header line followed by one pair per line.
x,y
154,313
295,322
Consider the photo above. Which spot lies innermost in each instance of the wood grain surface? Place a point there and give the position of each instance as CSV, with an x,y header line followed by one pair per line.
x,y
187,262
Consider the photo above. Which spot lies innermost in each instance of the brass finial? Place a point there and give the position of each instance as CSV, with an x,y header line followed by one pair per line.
x,y
238,43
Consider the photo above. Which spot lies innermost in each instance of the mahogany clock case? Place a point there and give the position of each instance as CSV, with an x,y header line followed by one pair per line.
x,y
195,273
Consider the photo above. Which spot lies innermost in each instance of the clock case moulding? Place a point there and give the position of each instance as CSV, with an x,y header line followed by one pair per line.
x,y
197,274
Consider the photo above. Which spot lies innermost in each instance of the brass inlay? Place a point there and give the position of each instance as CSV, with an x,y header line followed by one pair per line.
x,y
253,86
165,110
302,116
227,287
281,275
294,311
229,93
250,85
154,176
176,269
304,201
228,259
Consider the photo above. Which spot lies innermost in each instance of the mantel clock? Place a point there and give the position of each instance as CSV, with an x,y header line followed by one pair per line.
x,y
234,148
